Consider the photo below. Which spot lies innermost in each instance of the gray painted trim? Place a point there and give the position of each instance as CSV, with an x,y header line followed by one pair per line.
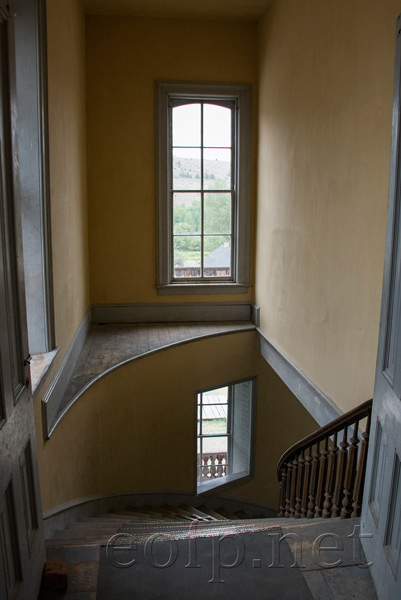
x,y
319,406
54,395
171,313
255,315
181,289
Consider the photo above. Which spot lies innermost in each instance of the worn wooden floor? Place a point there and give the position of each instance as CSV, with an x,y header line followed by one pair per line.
x,y
109,345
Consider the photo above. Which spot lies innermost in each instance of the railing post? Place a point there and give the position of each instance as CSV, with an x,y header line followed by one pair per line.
x,y
293,486
360,474
341,464
300,482
283,487
287,513
305,487
350,473
322,479
331,471
313,482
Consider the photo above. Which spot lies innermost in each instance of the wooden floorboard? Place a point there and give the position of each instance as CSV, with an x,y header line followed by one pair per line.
x,y
109,345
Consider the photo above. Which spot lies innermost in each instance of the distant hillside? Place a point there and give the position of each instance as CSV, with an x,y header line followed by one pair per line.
x,y
186,173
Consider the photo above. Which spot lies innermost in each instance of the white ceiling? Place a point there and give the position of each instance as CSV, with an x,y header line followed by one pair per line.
x,y
207,9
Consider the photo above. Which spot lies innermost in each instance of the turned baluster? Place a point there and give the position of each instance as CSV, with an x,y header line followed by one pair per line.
x,y
300,482
360,474
322,479
287,513
283,488
305,487
341,465
350,473
330,476
293,486
313,482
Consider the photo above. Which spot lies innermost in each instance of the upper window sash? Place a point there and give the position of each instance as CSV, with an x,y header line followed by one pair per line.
x,y
237,98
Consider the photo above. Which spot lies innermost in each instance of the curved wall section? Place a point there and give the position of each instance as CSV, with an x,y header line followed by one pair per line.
x,y
135,428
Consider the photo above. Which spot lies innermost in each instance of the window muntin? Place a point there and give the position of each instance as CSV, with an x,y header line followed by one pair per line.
x,y
224,434
203,188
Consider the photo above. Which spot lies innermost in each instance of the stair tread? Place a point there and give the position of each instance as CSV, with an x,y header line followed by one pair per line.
x,y
212,513
227,513
197,512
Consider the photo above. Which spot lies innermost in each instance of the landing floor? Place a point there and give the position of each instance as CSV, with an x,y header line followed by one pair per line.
x,y
109,345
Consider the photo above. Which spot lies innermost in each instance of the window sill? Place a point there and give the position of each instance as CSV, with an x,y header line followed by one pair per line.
x,y
40,368
202,288
229,481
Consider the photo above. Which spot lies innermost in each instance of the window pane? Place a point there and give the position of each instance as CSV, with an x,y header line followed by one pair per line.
x,y
214,419
187,125
216,126
214,445
187,256
186,169
217,169
217,215
217,256
187,213
218,396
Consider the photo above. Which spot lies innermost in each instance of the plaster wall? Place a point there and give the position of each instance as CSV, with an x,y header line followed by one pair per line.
x,y
125,58
67,148
134,430
325,108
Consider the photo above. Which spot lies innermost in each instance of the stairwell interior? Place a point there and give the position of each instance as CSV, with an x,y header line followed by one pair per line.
x,y
321,133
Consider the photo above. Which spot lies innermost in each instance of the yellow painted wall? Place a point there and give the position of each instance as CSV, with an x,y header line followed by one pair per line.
x,y
325,107
67,148
125,59
134,430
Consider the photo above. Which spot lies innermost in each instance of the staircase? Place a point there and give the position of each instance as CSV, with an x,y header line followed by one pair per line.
x,y
142,520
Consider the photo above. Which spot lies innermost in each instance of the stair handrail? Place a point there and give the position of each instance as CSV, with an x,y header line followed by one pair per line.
x,y
345,420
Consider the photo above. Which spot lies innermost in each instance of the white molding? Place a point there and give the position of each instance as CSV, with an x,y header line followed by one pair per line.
x,y
319,406
54,395
171,313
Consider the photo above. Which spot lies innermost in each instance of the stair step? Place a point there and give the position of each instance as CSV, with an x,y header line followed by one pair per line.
x,y
227,514
197,512
217,516
133,514
241,514
179,511
88,540
100,525
73,533
159,510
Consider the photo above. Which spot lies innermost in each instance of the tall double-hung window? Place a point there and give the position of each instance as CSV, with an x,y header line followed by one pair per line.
x,y
203,188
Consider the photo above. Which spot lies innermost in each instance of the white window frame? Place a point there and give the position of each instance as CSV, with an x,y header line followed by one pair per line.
x,y
234,425
240,94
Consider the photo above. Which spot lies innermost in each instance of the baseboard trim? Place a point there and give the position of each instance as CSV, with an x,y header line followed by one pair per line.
x,y
171,312
54,395
319,406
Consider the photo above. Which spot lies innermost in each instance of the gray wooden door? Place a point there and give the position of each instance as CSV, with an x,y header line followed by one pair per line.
x,y
21,532
381,517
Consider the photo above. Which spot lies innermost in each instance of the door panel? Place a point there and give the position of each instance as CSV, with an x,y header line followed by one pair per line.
x,y
381,517
21,531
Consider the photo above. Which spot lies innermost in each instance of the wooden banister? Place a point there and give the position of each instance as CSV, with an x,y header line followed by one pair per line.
x,y
323,476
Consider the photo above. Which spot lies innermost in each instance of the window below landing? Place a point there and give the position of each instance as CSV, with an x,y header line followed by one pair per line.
x,y
225,434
